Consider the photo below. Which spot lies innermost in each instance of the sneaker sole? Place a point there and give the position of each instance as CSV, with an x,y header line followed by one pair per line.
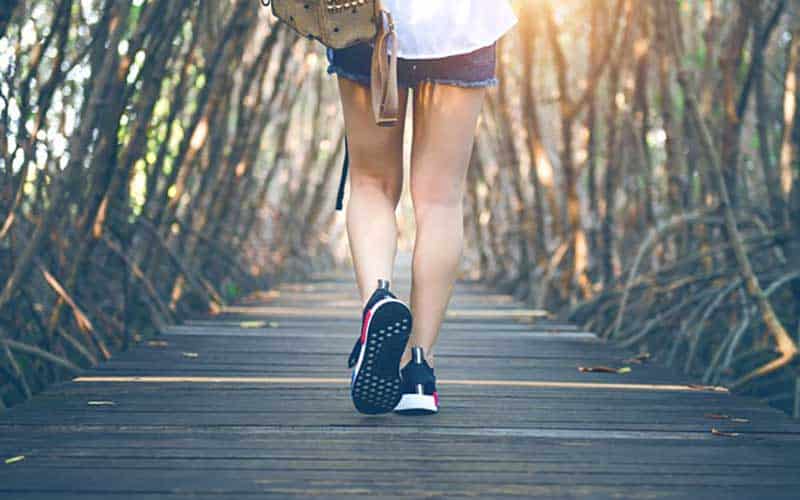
x,y
417,404
375,382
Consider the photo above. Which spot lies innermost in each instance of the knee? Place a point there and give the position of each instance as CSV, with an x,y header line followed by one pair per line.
x,y
384,183
435,195
372,170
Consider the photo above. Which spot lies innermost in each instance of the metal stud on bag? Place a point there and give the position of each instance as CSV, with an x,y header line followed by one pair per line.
x,y
338,4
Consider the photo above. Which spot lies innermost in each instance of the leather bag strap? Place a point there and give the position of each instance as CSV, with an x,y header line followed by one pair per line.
x,y
383,78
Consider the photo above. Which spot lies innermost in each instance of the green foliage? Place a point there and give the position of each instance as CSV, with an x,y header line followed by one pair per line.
x,y
231,290
697,59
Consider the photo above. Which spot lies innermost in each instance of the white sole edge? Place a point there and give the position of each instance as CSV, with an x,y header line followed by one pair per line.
x,y
416,402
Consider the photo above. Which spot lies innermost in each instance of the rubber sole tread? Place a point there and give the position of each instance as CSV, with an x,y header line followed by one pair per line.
x,y
376,387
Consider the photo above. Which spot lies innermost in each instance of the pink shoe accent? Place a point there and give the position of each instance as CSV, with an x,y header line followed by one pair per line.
x,y
364,326
436,398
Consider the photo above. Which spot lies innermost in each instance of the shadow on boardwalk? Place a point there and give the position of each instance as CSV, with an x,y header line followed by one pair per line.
x,y
255,403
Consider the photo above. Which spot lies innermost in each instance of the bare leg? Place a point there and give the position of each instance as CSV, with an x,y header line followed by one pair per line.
x,y
445,118
376,181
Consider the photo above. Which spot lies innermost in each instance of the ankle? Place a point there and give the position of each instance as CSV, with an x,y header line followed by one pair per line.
x,y
371,292
406,357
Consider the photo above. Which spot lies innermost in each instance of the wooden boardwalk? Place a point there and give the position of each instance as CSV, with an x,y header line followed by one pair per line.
x,y
254,403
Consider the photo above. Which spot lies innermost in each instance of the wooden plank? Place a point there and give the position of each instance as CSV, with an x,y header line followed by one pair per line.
x,y
339,443
344,381
454,491
397,479
340,313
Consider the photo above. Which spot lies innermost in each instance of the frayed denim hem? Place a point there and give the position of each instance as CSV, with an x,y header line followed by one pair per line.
x,y
488,82
347,74
365,79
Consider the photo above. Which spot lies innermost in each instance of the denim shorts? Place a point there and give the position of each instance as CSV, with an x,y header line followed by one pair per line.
x,y
470,69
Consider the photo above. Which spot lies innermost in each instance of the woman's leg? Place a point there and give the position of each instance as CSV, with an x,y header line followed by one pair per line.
x,y
444,121
376,181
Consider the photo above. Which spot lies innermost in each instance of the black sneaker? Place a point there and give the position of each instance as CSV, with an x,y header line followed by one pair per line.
x,y
375,358
418,386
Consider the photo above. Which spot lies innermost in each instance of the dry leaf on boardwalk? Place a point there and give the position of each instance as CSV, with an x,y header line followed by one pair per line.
x,y
639,358
604,369
718,432
157,343
253,324
12,460
100,403
189,354
715,388
722,416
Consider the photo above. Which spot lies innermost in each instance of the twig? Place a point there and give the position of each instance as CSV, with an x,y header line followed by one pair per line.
x,y
711,374
695,337
649,241
35,351
18,373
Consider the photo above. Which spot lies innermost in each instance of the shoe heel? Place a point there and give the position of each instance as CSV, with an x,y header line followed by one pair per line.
x,y
375,383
